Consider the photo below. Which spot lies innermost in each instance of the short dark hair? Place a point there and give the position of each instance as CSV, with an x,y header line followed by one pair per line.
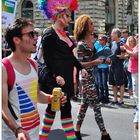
x,y
103,37
15,30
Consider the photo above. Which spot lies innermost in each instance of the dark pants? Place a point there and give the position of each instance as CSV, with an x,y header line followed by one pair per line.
x,y
65,110
102,83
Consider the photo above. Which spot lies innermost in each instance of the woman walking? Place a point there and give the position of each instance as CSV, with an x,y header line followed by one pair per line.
x,y
84,27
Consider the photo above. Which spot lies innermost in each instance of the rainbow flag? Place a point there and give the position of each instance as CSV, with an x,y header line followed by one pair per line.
x,y
8,6
8,12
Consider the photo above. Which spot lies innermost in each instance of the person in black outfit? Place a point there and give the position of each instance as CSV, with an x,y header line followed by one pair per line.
x,y
57,49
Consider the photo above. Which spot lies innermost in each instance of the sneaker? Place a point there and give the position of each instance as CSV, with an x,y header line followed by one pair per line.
x,y
78,135
106,137
120,103
114,103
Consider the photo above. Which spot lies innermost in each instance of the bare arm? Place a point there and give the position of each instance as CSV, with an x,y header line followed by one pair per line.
x,y
129,51
6,114
91,63
43,97
132,54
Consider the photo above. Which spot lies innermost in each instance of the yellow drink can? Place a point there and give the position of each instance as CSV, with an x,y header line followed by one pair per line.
x,y
55,105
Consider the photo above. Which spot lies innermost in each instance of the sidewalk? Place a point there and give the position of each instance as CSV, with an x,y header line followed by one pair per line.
x,y
128,103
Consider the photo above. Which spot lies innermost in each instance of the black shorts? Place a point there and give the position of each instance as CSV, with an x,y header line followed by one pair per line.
x,y
117,76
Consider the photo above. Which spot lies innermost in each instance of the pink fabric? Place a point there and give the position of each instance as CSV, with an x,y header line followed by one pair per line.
x,y
133,62
74,75
70,43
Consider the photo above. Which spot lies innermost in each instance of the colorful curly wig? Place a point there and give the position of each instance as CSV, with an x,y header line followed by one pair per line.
x,y
51,8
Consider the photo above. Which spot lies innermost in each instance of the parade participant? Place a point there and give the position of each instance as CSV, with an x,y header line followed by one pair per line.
x,y
83,28
57,49
115,78
19,101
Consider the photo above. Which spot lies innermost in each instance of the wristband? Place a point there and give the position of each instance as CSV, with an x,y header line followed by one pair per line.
x,y
17,131
49,99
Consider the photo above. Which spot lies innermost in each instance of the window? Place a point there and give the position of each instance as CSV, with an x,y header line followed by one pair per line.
x,y
109,15
27,9
130,22
110,11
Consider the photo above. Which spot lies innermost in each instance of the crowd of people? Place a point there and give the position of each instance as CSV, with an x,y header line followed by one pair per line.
x,y
43,60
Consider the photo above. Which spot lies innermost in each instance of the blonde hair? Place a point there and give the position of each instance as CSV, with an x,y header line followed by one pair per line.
x,y
81,27
131,39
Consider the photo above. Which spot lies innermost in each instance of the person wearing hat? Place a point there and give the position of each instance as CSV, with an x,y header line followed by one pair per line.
x,y
58,55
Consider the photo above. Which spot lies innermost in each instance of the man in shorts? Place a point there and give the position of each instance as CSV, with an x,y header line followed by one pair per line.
x,y
117,74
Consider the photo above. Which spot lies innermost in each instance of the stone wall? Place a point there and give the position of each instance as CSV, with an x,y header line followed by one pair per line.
x,y
94,8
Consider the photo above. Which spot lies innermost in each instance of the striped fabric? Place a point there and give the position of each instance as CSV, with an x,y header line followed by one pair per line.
x,y
68,127
29,116
46,126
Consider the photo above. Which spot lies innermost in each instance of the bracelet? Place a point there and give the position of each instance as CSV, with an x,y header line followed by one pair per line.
x,y
17,131
49,99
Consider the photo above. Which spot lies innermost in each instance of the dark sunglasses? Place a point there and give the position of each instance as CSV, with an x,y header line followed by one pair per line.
x,y
31,34
68,16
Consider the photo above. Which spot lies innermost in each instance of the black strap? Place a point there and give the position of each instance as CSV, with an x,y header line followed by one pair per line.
x,y
12,111
10,107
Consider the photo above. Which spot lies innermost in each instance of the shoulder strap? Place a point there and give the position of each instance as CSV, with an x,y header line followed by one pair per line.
x,y
10,81
10,73
32,63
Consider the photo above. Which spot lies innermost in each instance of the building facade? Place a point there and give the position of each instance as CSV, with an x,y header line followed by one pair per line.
x,y
106,14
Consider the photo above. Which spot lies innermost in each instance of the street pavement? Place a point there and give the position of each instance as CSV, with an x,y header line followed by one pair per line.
x,y
118,121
